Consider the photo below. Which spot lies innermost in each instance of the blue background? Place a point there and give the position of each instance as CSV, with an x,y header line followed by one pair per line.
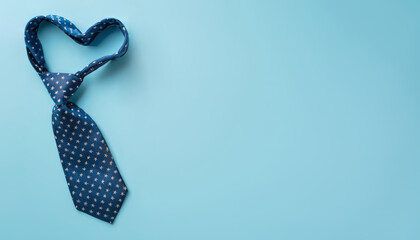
x,y
227,119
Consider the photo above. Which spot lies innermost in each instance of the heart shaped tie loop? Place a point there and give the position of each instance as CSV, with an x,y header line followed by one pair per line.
x,y
62,86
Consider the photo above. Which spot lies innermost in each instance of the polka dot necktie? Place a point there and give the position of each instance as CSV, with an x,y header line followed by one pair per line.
x,y
94,181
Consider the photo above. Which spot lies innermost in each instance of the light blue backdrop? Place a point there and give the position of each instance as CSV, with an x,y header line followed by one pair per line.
x,y
228,120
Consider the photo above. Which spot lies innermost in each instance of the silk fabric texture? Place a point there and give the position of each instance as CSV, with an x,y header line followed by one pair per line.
x,y
94,181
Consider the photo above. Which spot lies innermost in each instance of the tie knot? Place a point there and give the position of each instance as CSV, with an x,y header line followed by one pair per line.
x,y
61,86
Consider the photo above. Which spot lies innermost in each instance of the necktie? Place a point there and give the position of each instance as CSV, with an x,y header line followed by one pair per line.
x,y
94,181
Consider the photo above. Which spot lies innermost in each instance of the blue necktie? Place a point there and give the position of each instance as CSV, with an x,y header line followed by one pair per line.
x,y
94,181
